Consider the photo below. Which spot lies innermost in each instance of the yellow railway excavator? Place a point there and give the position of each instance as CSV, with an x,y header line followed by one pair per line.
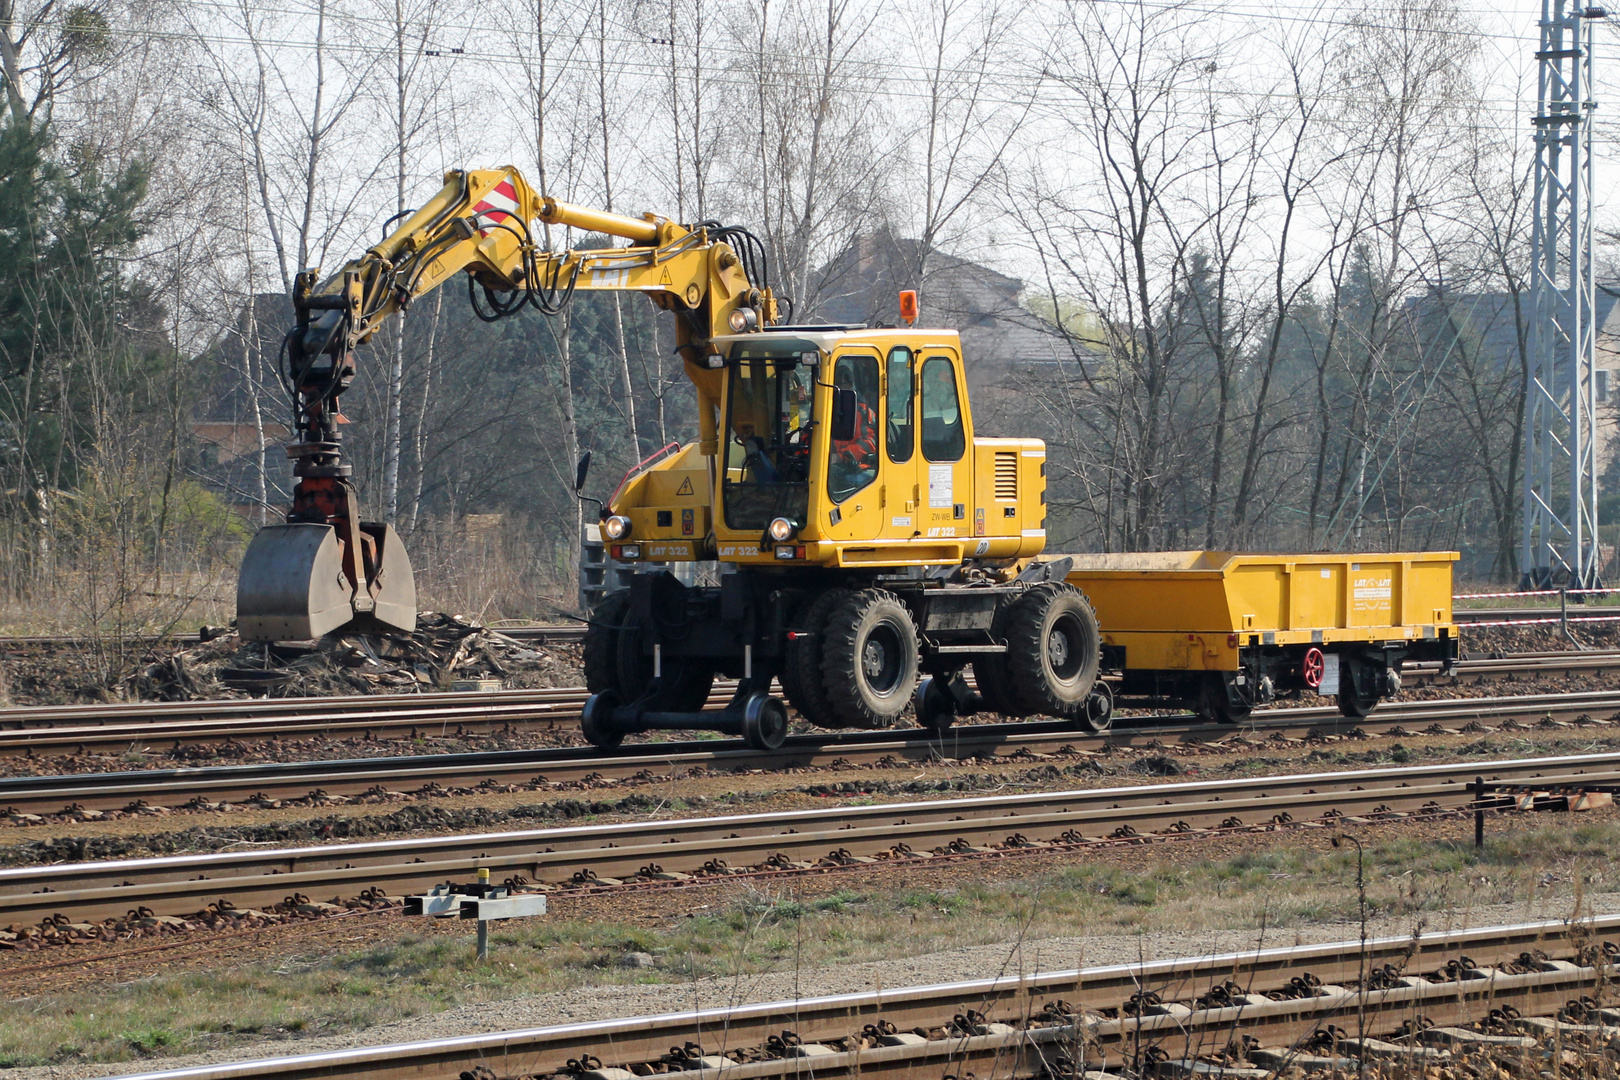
x,y
865,534
872,548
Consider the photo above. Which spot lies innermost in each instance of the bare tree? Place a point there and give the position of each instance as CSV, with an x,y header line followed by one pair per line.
x,y
1121,80
969,122
293,107
48,48
810,175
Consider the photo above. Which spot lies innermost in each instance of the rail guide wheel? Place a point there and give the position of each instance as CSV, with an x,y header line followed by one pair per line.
x,y
596,721
934,705
765,722
1098,713
1355,699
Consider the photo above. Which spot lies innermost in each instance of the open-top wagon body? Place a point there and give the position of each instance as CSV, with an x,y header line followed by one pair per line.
x,y
1222,632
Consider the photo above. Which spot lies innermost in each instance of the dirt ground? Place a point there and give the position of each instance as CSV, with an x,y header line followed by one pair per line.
x,y
100,1008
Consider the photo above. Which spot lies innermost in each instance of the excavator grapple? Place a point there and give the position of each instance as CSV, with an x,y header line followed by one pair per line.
x,y
294,584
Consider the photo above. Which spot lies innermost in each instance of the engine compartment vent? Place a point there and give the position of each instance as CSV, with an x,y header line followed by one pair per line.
x,y
1007,475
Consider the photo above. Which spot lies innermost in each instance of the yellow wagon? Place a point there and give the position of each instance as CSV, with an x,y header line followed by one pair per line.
x,y
1221,633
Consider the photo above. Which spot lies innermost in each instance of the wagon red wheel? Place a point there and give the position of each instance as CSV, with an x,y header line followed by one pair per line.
x,y
1313,667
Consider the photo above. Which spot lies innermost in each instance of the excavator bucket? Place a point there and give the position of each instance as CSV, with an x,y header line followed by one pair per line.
x,y
292,585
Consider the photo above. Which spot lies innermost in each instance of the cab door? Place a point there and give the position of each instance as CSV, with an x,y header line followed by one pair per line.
x,y
852,509
904,491
945,469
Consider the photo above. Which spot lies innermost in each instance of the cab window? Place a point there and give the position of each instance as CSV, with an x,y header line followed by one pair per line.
x,y
768,452
852,463
942,434
899,430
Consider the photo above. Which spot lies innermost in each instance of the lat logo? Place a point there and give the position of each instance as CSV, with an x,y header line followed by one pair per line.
x,y
942,530
670,551
739,550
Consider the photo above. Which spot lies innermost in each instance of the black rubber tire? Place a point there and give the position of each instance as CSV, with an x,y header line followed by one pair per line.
x,y
593,723
686,683
1232,714
801,676
1054,649
601,647
995,686
869,660
690,686
765,722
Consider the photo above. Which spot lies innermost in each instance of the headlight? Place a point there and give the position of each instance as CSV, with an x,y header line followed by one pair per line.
x,y
780,529
742,319
616,527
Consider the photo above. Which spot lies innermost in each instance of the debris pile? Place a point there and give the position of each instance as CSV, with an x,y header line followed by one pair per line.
x,y
444,652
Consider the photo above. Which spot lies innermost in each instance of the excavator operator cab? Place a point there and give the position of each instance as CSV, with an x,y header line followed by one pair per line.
x,y
839,447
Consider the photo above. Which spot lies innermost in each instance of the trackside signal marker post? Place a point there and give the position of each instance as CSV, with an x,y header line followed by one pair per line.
x,y
481,901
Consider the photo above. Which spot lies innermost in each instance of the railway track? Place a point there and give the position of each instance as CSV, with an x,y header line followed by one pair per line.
x,y
199,786
1514,666
1149,1018
138,727
535,632
1576,612
664,852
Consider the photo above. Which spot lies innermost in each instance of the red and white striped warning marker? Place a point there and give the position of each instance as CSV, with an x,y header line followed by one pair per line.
x,y
500,204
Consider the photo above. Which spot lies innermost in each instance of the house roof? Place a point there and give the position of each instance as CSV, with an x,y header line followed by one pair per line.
x,y
862,284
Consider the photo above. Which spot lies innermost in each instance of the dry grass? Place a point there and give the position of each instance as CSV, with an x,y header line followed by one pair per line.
x,y
1297,883
77,605
505,569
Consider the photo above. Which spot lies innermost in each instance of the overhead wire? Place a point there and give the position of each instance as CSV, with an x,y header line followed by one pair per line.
x,y
888,71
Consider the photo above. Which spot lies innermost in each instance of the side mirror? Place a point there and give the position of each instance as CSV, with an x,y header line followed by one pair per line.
x,y
843,414
582,471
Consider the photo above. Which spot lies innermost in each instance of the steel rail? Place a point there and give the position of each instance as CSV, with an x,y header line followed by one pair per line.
x,y
380,706
180,884
364,716
196,721
536,632
284,780
1491,669
1518,614
1011,999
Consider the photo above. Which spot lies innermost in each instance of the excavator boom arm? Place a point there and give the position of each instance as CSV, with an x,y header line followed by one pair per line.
x,y
326,568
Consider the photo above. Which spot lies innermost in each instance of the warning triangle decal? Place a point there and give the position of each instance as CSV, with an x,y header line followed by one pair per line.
x,y
685,488
665,279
